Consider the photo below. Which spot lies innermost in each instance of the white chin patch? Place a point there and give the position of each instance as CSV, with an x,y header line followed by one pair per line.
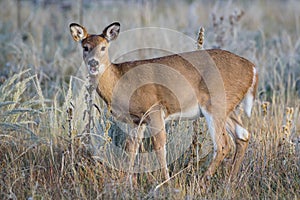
x,y
97,70
93,70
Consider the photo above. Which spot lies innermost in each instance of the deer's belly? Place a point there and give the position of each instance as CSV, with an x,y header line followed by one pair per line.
x,y
186,114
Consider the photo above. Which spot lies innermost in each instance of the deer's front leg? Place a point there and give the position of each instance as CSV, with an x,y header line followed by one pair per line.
x,y
159,144
159,136
132,145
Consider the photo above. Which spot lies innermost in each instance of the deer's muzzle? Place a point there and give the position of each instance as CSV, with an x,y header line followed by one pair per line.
x,y
93,66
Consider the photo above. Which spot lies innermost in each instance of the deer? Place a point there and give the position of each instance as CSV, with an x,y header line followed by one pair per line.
x,y
210,83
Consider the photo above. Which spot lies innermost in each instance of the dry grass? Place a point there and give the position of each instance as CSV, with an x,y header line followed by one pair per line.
x,y
42,150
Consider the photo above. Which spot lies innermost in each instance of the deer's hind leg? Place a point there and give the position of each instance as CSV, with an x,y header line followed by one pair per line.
x,y
241,138
221,143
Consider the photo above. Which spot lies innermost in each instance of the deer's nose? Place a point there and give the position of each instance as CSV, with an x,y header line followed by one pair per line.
x,y
93,63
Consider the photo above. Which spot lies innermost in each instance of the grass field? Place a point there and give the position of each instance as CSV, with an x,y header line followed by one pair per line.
x,y
43,103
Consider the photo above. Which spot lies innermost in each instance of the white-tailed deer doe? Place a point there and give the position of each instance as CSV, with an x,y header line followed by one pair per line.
x,y
209,83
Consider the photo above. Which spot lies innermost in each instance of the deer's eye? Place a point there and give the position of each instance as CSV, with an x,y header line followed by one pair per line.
x,y
85,48
103,48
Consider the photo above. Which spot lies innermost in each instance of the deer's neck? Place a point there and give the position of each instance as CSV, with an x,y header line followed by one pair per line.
x,y
107,81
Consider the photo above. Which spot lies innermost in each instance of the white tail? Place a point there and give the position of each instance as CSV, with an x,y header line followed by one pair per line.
x,y
209,83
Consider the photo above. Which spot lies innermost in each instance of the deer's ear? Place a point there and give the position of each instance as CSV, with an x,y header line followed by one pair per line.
x,y
78,32
111,32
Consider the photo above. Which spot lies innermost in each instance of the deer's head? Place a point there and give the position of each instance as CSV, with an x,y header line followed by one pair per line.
x,y
95,46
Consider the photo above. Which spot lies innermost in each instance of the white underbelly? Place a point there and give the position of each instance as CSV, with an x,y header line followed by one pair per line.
x,y
186,114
